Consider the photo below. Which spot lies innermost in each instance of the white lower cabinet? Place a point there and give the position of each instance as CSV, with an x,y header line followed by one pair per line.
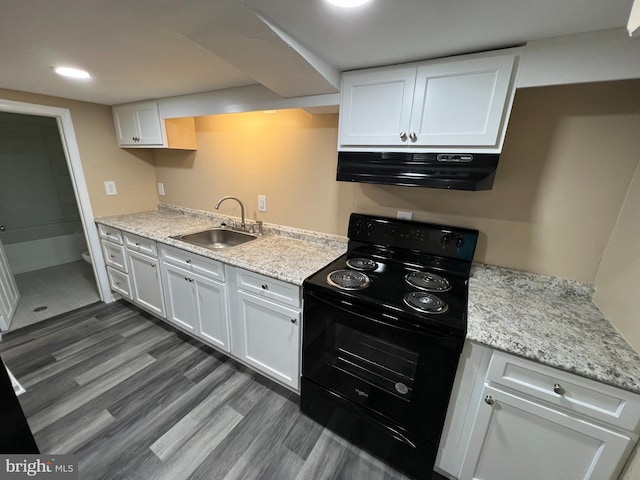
x,y
197,304
511,418
514,437
270,334
146,286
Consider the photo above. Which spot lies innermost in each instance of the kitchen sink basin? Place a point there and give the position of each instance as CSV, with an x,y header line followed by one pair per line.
x,y
217,238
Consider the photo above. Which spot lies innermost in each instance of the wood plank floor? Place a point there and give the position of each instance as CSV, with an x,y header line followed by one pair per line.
x,y
134,398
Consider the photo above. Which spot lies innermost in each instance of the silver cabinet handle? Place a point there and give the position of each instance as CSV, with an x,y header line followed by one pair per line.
x,y
112,257
188,260
557,388
294,320
403,136
153,265
2,228
265,286
489,400
413,137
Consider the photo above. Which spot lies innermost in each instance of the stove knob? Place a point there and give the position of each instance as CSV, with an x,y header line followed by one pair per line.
x,y
358,225
459,241
370,227
446,239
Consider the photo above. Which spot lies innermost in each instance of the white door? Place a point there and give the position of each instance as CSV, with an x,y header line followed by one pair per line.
x,y
376,107
213,316
180,291
9,295
145,283
514,438
461,103
271,337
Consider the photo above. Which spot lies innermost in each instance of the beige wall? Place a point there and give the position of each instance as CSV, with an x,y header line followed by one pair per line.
x,y
618,278
567,162
102,159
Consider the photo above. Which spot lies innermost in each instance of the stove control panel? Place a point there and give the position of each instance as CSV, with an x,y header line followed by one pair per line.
x,y
428,238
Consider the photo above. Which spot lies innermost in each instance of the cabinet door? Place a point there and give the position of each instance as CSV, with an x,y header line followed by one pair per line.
x,y
145,283
517,438
138,125
211,300
376,106
271,337
180,292
462,102
119,282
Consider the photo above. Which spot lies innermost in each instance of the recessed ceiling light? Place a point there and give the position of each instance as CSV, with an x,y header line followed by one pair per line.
x,y
348,3
72,72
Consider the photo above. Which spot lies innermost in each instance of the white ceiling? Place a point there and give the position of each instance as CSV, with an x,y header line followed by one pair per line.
x,y
141,49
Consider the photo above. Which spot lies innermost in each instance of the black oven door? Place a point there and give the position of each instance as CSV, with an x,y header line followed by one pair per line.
x,y
386,365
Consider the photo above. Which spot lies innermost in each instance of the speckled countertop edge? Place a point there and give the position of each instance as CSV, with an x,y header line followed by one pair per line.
x,y
283,253
537,317
551,321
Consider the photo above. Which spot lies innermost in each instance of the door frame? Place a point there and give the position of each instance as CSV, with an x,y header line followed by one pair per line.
x,y
74,163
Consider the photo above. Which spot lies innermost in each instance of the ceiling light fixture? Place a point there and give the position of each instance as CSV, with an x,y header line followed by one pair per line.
x,y
348,3
72,73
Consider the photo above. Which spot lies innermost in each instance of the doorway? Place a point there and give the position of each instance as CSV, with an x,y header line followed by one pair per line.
x,y
46,213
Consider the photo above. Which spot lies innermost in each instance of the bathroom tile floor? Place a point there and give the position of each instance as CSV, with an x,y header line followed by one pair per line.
x,y
61,289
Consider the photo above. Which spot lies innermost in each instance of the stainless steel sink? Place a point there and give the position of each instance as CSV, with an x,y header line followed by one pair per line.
x,y
217,238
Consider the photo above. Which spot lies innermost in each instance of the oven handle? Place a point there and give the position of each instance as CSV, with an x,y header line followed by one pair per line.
x,y
355,310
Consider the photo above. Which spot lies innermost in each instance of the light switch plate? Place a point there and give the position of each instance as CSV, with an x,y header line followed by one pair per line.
x,y
405,215
160,188
262,203
110,188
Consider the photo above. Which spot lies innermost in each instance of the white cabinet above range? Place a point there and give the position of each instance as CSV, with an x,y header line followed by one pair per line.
x,y
458,104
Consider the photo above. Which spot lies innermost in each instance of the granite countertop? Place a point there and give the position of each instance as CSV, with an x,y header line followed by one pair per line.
x,y
287,254
550,321
541,318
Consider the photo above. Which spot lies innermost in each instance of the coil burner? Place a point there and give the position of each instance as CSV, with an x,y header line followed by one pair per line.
x,y
425,302
428,281
364,264
348,280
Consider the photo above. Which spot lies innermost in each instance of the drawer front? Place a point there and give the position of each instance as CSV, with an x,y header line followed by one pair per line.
x,y
119,282
205,266
114,256
111,234
578,394
141,244
269,287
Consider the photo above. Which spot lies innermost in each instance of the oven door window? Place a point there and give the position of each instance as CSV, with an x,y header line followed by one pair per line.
x,y
382,363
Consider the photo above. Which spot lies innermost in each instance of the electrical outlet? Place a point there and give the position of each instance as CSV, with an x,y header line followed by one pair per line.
x,y
110,188
405,215
160,188
262,203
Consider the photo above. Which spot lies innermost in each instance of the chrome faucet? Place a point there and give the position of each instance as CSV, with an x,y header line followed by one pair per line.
x,y
242,224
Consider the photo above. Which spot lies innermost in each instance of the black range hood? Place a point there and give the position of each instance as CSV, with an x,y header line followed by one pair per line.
x,y
455,171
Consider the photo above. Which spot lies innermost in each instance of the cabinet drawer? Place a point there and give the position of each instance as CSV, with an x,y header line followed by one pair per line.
x,y
577,394
111,234
119,282
140,244
114,256
205,266
269,287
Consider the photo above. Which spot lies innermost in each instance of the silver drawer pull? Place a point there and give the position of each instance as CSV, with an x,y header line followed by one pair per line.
x,y
294,320
558,389
489,400
265,286
188,260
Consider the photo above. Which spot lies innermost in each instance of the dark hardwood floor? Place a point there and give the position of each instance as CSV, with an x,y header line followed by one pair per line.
x,y
134,398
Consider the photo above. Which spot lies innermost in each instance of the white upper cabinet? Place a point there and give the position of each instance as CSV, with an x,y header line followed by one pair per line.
x,y
457,104
139,125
